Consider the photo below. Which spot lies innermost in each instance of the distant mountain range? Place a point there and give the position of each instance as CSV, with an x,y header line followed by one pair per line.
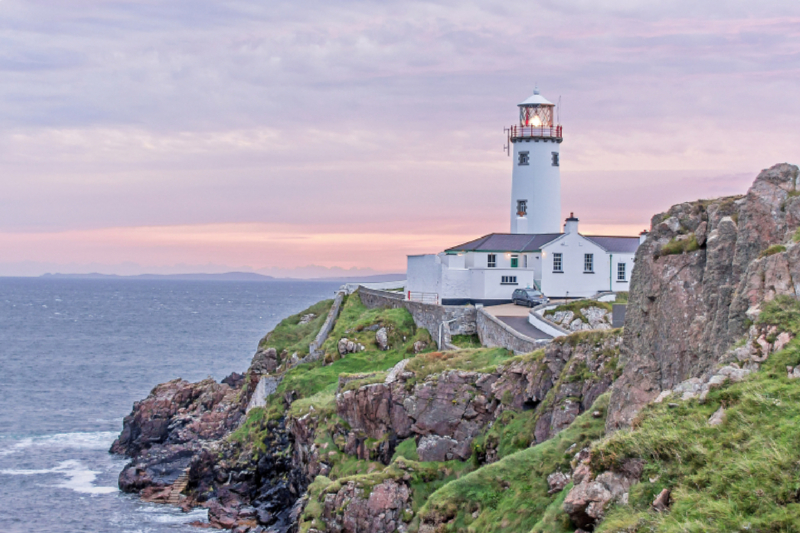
x,y
228,276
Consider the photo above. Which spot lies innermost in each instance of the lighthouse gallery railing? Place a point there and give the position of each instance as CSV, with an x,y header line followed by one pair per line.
x,y
522,132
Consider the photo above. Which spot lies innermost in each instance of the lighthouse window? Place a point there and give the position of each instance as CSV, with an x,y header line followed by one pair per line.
x,y
524,158
522,208
558,263
491,260
555,159
588,262
620,271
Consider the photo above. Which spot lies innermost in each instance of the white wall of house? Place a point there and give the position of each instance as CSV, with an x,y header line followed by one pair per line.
x,y
468,276
424,273
627,260
573,280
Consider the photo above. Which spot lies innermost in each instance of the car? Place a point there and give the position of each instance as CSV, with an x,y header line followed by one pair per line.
x,y
529,297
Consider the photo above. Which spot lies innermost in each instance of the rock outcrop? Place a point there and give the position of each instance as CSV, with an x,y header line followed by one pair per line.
x,y
699,281
446,411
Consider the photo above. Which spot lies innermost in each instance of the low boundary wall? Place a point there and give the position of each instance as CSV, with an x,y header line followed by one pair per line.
x,y
327,326
453,320
494,332
536,319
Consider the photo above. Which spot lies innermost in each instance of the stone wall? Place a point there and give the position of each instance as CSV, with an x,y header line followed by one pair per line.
x,y
327,327
428,316
494,332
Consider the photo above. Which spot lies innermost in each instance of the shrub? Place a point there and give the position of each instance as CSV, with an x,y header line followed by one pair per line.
x,y
772,250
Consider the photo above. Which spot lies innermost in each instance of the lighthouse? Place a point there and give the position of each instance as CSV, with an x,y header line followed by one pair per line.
x,y
536,175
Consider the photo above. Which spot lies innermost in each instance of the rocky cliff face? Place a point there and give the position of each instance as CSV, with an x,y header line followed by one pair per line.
x,y
446,411
699,281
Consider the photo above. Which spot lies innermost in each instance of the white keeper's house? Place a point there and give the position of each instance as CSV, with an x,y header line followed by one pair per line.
x,y
536,253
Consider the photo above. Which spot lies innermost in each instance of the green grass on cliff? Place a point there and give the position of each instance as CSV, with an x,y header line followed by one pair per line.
x,y
307,380
292,336
577,306
743,475
510,496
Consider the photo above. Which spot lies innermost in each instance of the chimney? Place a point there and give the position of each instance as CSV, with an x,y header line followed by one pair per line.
x,y
643,236
571,224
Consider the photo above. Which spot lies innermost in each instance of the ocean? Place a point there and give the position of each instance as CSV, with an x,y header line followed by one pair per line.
x,y
75,355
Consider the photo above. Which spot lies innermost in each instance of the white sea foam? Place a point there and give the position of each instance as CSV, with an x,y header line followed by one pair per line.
x,y
98,440
78,477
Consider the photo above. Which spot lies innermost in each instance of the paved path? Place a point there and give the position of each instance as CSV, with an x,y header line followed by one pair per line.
x,y
522,325
508,310
516,316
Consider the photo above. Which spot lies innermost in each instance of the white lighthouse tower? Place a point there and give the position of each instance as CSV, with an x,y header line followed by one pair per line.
x,y
536,178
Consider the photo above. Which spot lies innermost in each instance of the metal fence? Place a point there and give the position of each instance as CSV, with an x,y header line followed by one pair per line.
x,y
424,297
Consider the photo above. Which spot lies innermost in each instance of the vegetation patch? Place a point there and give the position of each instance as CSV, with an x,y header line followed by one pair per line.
x,y
476,359
466,341
680,246
307,380
291,336
510,496
772,250
742,475
577,306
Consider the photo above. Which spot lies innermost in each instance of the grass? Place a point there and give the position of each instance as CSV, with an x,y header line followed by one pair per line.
x,y
622,297
510,496
483,359
772,250
682,246
743,475
423,479
322,377
291,336
577,306
466,341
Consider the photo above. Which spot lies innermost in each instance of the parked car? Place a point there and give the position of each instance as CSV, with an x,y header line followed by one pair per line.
x,y
529,297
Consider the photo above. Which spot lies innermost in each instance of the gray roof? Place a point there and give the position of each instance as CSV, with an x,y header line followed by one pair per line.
x,y
620,245
506,242
527,242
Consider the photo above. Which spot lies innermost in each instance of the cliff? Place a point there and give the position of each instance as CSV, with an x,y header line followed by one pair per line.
x,y
684,420
699,280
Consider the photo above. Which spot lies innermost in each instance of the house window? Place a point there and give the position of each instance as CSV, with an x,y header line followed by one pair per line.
x,y
620,271
491,260
588,262
524,261
522,208
508,280
557,263
555,158
524,158
514,261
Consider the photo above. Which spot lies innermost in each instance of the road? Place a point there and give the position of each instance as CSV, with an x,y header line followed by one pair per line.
x,y
516,317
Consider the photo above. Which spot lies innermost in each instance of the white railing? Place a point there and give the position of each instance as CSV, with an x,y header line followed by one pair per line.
x,y
423,297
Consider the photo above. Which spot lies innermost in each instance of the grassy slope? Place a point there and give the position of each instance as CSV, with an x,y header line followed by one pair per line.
x,y
510,496
743,475
292,336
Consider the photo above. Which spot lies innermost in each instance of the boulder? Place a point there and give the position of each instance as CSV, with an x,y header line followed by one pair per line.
x,y
556,482
382,339
662,501
435,448
265,361
717,418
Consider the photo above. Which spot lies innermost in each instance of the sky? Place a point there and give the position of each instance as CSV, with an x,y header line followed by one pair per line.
x,y
317,137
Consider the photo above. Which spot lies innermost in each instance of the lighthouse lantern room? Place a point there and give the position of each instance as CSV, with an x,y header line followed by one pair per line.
x,y
536,176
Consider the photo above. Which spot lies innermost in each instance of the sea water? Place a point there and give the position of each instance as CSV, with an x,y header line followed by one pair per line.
x,y
76,354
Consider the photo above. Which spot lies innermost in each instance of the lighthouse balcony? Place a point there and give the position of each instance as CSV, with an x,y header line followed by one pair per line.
x,y
535,132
